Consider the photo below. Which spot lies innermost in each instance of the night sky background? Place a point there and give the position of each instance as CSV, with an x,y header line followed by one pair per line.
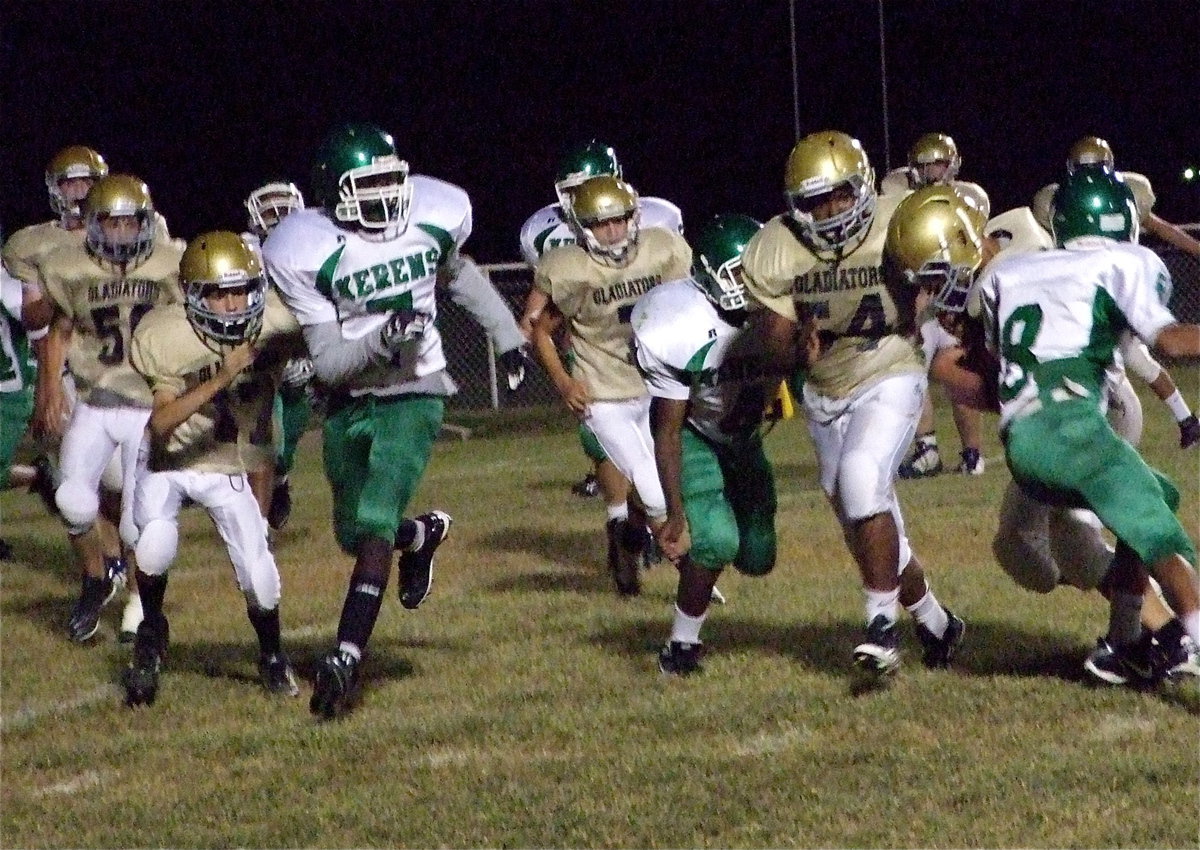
x,y
205,99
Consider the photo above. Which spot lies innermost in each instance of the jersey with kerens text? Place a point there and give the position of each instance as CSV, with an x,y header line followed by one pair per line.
x,y
597,301
1055,317
223,435
548,228
105,304
853,310
328,273
682,344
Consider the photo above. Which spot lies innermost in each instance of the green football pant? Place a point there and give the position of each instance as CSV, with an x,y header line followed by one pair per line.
x,y
591,446
729,499
376,450
294,410
15,410
1068,454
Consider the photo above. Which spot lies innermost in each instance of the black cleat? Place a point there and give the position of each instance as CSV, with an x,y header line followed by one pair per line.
x,y
85,616
141,676
337,673
680,659
588,488
624,559
1174,655
416,567
6,550
879,655
925,462
1189,432
938,652
45,482
277,675
1124,664
280,509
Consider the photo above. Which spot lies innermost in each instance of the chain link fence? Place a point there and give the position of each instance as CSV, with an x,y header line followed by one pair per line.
x,y
473,362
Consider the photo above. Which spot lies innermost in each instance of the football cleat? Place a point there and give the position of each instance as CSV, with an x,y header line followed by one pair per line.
x,y
277,675
6,550
85,616
131,618
925,462
1128,664
1174,654
337,674
280,509
116,570
879,654
971,463
939,651
416,567
1189,432
588,488
680,659
140,678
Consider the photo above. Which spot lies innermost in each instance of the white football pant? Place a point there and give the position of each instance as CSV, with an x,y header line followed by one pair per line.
x,y
623,430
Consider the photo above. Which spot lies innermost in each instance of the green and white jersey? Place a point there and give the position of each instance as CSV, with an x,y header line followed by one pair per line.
x,y
16,360
1054,318
548,228
326,273
682,341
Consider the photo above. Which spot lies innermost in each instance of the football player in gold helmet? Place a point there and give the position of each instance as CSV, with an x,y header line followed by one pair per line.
x,y
815,282
211,364
591,288
101,289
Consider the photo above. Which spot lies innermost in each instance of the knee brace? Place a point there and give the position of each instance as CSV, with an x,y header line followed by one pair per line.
x,y
156,546
78,505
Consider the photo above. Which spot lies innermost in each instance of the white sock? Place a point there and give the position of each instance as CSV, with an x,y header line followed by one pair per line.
x,y
686,629
350,649
882,602
1124,618
620,511
1179,407
930,613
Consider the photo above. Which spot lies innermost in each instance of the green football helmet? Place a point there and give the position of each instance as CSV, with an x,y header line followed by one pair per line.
x,y
933,242
360,180
717,268
1093,200
590,160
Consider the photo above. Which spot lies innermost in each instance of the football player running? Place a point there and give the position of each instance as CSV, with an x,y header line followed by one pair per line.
x,y
705,409
591,288
208,364
359,273
266,206
550,227
819,264
1054,352
101,290
933,242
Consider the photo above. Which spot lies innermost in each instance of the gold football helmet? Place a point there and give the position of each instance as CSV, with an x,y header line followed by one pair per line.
x,y
115,196
70,163
1090,150
270,204
933,243
216,264
971,196
598,200
819,164
934,149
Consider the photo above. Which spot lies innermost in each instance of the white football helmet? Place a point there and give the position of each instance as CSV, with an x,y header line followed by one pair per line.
x,y
270,203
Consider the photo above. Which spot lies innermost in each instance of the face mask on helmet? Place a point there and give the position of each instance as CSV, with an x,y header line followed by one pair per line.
x,y
830,188
69,176
1093,200
934,159
717,269
933,242
603,213
224,290
360,180
270,204
592,160
119,217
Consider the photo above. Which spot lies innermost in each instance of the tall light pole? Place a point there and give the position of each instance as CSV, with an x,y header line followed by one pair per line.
x,y
795,75
887,142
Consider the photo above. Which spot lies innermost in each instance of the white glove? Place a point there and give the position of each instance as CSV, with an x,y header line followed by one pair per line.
x,y
403,327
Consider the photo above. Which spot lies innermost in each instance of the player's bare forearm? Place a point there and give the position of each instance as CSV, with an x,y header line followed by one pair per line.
x,y
171,411
544,328
666,421
1179,341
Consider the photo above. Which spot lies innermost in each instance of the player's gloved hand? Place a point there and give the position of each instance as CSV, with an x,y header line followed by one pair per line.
x,y
513,362
403,327
1189,432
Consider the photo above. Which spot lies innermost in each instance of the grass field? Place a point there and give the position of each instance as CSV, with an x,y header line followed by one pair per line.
x,y
521,705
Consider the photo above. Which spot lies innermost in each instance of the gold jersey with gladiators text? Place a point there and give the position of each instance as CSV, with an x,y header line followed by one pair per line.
x,y
229,432
25,251
105,304
852,308
597,302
